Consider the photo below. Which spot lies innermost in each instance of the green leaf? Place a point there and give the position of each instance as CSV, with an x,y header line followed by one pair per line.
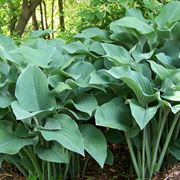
x,y
138,55
169,14
131,22
110,157
114,136
93,33
168,61
7,43
100,77
32,90
80,70
140,114
75,47
176,108
117,53
94,143
61,86
140,85
86,103
161,71
40,33
135,13
169,51
10,143
97,48
69,136
175,150
33,56
172,94
6,101
56,153
22,114
113,114
4,54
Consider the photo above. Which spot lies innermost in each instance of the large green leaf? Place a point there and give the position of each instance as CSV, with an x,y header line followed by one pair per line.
x,y
94,143
113,114
135,13
6,101
172,94
93,33
33,56
140,114
80,70
161,71
117,53
75,47
168,61
22,114
169,14
86,103
4,54
40,33
7,43
54,154
131,22
140,85
69,136
138,55
32,90
11,143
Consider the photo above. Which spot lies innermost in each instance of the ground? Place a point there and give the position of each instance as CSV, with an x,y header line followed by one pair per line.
x,y
121,169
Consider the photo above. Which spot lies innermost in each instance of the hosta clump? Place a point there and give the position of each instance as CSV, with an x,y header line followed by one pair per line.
x,y
55,96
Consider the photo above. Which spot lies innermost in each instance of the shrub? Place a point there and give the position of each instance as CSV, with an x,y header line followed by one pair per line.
x,y
55,96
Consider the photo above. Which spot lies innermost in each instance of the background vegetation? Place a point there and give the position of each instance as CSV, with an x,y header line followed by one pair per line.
x,y
67,17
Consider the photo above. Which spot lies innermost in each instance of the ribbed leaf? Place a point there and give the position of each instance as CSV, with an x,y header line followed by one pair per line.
x,y
169,14
94,143
32,90
86,103
69,136
140,85
117,53
10,143
131,22
113,114
54,154
140,114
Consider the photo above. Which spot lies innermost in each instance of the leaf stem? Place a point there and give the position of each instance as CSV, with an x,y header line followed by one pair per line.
x,y
160,130
143,154
31,156
169,135
132,155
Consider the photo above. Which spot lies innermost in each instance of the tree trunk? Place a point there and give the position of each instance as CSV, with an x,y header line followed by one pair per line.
x,y
42,16
52,17
34,21
28,9
45,15
61,15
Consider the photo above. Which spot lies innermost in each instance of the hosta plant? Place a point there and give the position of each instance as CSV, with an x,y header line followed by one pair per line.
x,y
60,102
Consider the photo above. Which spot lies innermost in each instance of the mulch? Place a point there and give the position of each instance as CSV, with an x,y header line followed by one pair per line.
x,y
9,172
121,170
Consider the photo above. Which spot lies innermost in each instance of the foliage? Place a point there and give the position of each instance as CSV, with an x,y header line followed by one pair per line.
x,y
101,13
54,96
78,14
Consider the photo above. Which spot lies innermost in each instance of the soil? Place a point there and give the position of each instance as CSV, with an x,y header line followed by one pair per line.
x,y
171,173
121,170
8,172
